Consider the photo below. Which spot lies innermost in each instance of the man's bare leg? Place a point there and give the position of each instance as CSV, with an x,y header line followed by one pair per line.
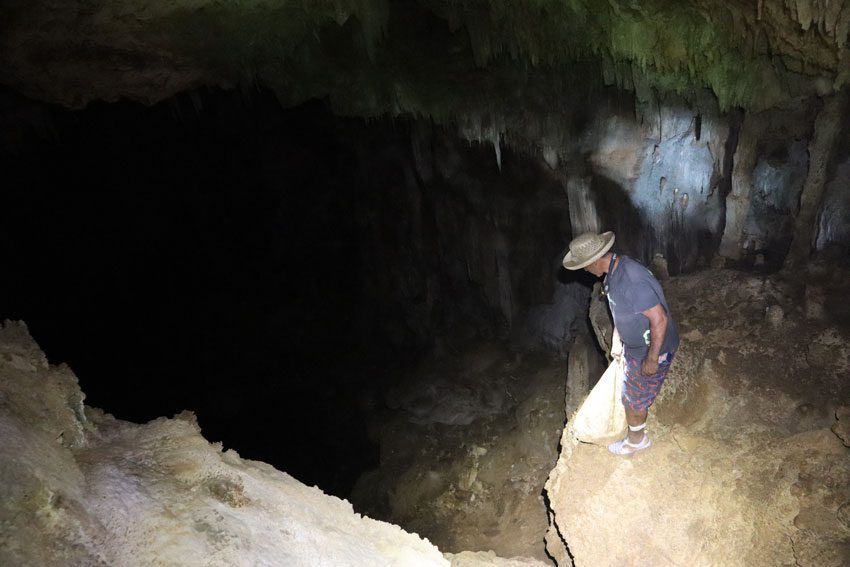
x,y
635,418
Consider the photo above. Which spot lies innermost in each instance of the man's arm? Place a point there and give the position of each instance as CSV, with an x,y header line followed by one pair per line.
x,y
657,331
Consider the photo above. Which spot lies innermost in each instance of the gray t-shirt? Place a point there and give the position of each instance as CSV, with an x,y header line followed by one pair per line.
x,y
632,289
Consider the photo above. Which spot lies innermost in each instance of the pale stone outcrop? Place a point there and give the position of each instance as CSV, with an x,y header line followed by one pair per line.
x,y
78,487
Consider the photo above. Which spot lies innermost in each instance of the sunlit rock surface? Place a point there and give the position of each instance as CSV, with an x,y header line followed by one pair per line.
x,y
748,466
78,487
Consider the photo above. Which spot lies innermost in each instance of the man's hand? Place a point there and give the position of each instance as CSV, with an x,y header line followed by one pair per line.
x,y
616,345
649,366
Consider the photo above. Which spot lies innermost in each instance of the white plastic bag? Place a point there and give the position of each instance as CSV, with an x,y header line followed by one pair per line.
x,y
602,416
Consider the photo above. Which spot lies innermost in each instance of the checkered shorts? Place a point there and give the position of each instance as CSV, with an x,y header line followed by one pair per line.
x,y
639,391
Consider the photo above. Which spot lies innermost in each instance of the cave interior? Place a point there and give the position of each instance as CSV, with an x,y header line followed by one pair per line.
x,y
274,213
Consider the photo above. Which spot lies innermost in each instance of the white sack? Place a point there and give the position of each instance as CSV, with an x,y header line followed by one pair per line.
x,y
602,416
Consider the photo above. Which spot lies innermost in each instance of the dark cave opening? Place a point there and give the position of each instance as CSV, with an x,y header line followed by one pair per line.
x,y
270,269
203,258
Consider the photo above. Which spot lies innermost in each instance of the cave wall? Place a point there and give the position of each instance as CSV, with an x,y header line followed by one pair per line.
x,y
655,174
834,224
470,220
457,242
648,133
515,128
685,181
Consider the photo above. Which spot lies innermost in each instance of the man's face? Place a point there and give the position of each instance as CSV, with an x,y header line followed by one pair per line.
x,y
596,268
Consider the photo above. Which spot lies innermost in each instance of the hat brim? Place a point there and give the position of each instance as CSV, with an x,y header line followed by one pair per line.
x,y
572,263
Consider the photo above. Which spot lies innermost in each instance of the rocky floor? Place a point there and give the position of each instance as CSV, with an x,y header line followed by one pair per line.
x,y
467,447
749,466
750,462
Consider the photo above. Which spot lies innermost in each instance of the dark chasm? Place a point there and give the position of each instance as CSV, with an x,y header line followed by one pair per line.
x,y
221,254
201,254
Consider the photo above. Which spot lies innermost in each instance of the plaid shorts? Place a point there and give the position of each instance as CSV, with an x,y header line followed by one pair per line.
x,y
639,391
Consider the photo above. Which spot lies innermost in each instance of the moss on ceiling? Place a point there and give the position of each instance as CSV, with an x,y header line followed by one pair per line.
x,y
433,57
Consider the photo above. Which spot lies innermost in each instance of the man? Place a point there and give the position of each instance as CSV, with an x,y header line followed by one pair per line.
x,y
642,322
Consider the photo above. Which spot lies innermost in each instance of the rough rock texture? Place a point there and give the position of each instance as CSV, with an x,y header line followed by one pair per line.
x,y
635,106
78,487
464,464
748,465
368,55
473,250
490,559
821,150
671,176
659,178
769,169
834,227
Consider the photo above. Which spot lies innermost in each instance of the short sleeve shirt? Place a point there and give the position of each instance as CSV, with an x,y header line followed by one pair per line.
x,y
632,289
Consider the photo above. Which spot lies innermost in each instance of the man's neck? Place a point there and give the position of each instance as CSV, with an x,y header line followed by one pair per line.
x,y
607,266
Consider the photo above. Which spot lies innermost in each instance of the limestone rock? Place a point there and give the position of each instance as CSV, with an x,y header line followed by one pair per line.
x,y
490,559
553,325
454,393
814,302
145,51
718,262
78,487
584,368
659,267
775,316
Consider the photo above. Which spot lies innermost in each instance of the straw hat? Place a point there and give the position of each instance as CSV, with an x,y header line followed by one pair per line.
x,y
587,248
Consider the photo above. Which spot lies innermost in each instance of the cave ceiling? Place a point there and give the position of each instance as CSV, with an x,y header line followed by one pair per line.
x,y
435,58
